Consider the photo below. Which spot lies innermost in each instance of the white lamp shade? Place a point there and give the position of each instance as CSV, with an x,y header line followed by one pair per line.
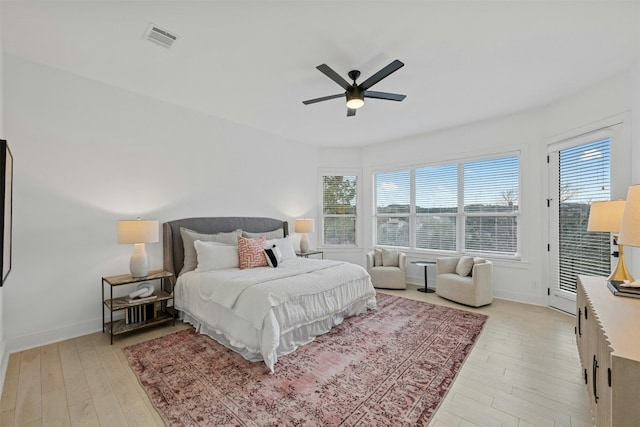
x,y
606,216
304,225
630,227
138,231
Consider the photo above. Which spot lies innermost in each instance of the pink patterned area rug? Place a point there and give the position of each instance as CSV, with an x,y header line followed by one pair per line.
x,y
391,366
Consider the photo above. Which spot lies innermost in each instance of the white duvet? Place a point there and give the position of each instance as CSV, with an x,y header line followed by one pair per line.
x,y
265,312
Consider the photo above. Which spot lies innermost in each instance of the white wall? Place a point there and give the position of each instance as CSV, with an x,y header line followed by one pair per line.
x,y
604,104
529,132
633,254
88,154
342,161
4,355
515,280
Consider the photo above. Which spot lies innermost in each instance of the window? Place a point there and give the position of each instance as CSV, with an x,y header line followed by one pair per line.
x,y
339,216
458,207
491,190
436,207
393,208
584,173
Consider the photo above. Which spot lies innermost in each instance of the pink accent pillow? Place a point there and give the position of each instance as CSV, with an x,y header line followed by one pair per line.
x,y
251,252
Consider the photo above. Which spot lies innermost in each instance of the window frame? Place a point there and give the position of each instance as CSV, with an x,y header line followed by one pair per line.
x,y
460,216
513,214
357,216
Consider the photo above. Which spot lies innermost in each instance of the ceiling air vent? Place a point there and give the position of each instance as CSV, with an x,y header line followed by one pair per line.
x,y
159,36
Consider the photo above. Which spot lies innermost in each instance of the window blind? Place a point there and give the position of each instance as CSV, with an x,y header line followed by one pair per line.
x,y
584,173
393,208
491,203
436,207
457,207
339,221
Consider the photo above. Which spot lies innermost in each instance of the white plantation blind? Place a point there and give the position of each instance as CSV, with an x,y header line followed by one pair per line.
x,y
491,204
584,173
436,207
393,208
339,215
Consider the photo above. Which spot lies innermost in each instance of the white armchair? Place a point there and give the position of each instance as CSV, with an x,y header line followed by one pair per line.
x,y
469,282
387,268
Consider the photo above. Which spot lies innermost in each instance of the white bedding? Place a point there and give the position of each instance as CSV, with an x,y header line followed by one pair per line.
x,y
265,312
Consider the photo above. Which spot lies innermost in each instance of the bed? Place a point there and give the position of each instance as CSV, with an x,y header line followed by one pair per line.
x,y
261,313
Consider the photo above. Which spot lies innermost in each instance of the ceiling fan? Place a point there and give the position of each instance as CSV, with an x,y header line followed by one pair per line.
x,y
355,93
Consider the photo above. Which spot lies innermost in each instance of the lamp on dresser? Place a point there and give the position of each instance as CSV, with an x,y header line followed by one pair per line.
x,y
606,217
304,226
630,226
138,232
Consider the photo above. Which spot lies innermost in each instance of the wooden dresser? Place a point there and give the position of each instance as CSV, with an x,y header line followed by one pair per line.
x,y
608,338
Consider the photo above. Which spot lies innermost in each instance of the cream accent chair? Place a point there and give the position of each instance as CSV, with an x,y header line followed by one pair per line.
x,y
391,274
474,290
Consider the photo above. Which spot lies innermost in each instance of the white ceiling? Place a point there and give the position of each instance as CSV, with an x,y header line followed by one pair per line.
x,y
254,63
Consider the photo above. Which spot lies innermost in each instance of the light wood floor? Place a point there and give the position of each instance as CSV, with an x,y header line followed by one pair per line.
x,y
523,371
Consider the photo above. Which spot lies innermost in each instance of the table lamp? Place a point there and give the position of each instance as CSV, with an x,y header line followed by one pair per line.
x,y
607,217
138,232
630,227
304,226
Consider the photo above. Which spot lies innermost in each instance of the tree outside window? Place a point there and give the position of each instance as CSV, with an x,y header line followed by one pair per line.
x,y
339,197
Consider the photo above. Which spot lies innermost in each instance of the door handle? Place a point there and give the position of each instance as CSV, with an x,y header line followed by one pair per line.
x,y
595,378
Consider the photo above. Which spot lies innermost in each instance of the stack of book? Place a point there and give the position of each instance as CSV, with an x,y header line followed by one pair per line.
x,y
140,313
619,288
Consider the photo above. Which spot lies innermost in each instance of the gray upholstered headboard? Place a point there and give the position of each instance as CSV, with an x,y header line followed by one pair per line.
x,y
173,249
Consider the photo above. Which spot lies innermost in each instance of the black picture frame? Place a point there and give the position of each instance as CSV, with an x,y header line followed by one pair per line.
x,y
6,208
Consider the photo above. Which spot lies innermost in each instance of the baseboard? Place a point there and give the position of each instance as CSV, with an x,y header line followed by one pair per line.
x,y
523,298
505,295
52,335
4,365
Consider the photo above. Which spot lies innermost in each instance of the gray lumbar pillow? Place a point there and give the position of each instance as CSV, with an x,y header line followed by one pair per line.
x,y
269,235
465,264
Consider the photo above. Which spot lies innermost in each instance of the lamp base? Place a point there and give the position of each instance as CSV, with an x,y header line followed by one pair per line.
x,y
139,262
621,273
304,243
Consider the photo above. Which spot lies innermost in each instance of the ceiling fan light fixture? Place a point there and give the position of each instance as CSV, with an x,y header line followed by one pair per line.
x,y
355,98
354,92
355,103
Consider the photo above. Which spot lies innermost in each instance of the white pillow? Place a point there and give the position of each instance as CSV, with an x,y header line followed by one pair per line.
x,y
215,256
465,264
377,257
189,236
285,245
390,258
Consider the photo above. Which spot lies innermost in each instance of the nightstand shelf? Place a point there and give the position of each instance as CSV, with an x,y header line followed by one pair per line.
x,y
162,312
121,303
310,252
120,326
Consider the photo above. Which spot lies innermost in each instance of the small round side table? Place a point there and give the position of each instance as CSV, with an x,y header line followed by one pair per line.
x,y
426,265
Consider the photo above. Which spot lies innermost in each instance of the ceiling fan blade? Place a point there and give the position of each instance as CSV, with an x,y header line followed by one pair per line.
x,y
394,66
351,112
328,71
384,95
324,98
